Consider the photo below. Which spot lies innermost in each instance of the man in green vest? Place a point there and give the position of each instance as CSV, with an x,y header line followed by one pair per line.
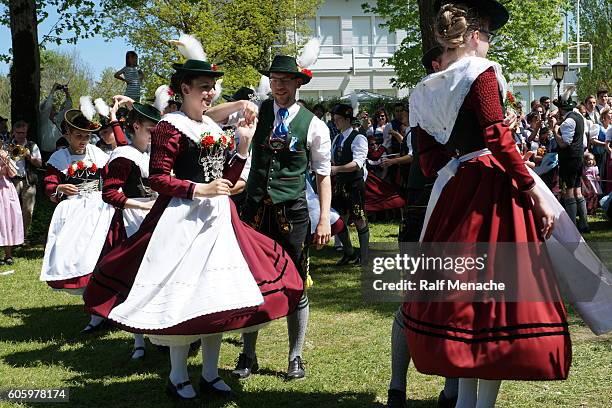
x,y
349,153
287,140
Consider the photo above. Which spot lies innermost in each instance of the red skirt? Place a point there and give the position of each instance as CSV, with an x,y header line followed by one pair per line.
x,y
494,340
277,277
380,195
116,235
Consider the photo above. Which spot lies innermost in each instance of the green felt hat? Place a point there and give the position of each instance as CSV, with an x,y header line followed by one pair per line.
x,y
198,67
75,118
284,64
148,111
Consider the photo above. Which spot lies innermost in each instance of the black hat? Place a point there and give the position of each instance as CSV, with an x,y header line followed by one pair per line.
x,y
148,111
565,102
288,65
429,56
198,67
242,94
496,12
344,110
75,119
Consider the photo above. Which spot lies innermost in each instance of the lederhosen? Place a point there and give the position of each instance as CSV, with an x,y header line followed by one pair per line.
x,y
348,196
571,156
276,203
417,192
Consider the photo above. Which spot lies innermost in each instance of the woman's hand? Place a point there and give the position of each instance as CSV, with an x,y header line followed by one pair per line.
x,y
119,100
543,213
147,205
214,188
68,189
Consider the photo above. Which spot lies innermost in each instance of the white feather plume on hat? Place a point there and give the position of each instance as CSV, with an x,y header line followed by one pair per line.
x,y
218,90
310,53
263,89
190,47
87,107
102,107
162,97
567,93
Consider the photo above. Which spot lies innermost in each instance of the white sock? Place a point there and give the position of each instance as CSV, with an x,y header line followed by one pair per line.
x,y
138,342
467,393
96,320
178,369
487,393
211,347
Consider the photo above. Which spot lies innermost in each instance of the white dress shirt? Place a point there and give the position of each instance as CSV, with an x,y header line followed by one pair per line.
x,y
359,146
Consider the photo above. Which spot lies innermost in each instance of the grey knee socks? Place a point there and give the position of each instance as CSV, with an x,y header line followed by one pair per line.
x,y
297,323
571,208
400,355
582,213
364,242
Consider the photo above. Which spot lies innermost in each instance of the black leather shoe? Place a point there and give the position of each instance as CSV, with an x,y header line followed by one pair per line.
x,y
173,391
348,259
445,402
296,369
245,366
208,388
396,399
90,328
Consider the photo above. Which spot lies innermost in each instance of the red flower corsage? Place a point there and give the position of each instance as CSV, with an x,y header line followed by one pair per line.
x,y
307,72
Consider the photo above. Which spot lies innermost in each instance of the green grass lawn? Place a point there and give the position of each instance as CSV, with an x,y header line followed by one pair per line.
x,y
347,350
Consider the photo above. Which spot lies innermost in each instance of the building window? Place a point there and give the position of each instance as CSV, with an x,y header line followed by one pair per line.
x,y
383,39
330,35
362,33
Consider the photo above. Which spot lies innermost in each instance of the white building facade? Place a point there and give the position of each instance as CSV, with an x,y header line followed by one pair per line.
x,y
354,47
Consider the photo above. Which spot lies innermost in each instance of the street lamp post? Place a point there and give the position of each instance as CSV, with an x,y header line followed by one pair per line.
x,y
558,71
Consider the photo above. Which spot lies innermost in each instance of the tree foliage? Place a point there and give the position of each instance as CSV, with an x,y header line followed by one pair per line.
x,y
73,20
107,86
596,28
532,37
237,35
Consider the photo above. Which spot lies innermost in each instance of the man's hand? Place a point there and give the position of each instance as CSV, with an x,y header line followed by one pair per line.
x,y
250,112
322,234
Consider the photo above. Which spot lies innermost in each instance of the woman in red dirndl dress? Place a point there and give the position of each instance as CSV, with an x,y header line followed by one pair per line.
x,y
194,270
489,199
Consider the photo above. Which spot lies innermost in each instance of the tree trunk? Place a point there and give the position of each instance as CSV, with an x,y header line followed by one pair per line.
x,y
426,22
25,69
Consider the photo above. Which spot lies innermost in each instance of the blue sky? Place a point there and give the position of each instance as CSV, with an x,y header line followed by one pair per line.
x,y
90,50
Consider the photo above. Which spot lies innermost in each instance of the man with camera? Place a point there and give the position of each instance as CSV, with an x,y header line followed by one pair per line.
x,y
49,119
26,155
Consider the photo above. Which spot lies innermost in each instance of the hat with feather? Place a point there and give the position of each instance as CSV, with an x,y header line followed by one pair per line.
x,y
196,62
285,64
154,112
90,116
565,101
